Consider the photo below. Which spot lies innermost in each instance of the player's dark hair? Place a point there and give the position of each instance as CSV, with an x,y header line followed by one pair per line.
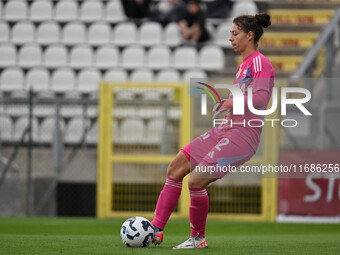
x,y
254,23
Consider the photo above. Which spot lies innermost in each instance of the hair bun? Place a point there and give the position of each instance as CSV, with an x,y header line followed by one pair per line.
x,y
263,19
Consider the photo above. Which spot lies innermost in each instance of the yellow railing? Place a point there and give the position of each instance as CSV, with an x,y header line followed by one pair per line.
x,y
109,157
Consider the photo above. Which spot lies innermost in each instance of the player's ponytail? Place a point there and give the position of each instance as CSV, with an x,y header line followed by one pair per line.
x,y
254,23
263,19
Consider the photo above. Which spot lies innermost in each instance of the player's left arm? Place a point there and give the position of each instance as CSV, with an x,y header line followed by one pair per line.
x,y
263,76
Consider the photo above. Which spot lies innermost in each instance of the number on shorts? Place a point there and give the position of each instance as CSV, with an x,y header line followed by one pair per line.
x,y
225,142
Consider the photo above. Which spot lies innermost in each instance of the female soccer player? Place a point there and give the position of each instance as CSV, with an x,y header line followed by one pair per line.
x,y
223,145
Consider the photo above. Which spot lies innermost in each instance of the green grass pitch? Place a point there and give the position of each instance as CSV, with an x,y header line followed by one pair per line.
x,y
92,236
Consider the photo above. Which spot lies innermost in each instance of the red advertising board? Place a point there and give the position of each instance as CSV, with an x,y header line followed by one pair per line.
x,y
311,193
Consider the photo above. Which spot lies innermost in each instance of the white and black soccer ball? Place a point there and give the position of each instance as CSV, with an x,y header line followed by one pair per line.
x,y
137,232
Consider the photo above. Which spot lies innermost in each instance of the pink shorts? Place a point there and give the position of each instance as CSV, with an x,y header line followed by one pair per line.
x,y
218,148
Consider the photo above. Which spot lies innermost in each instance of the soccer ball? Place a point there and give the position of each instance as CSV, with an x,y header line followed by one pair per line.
x,y
137,232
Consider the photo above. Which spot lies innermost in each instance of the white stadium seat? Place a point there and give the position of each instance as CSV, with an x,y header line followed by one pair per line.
x,y
92,135
6,128
63,79
91,11
15,10
222,35
142,75
133,57
4,31
41,10
66,10
155,132
74,33
8,55
48,32
12,78
47,129
194,74
71,110
159,57
107,56
116,75
81,56
21,124
23,32
125,34
150,33
30,55
88,80
132,131
211,58
99,33
243,7
114,11
172,34
55,56
185,58
38,78
17,110
74,129
168,76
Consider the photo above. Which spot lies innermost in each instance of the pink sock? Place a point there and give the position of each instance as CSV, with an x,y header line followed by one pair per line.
x,y
167,201
198,211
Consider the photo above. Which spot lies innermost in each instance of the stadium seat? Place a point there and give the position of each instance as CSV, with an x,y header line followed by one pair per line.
x,y
81,56
74,33
194,74
222,35
114,11
4,31
30,55
74,130
48,32
15,10
63,79
6,128
38,78
99,33
66,10
185,58
23,32
155,133
47,129
18,110
12,78
150,33
88,80
21,124
142,75
55,56
125,34
168,76
133,57
172,35
8,55
107,56
243,7
91,11
116,75
92,135
71,110
41,10
159,57
211,58
131,131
